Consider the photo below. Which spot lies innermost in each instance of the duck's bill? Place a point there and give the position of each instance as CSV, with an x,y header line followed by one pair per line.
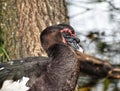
x,y
76,46
73,42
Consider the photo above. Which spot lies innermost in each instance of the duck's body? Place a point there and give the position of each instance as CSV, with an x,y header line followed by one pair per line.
x,y
60,75
62,71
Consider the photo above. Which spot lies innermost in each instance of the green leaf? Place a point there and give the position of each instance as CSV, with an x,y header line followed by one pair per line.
x,y
3,52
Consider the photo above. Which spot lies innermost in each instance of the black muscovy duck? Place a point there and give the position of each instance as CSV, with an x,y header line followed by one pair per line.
x,y
34,67
63,68
57,72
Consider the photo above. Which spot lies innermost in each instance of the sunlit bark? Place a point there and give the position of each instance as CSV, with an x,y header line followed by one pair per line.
x,y
28,19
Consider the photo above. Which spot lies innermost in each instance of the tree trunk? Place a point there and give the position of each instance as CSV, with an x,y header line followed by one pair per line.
x,y
30,17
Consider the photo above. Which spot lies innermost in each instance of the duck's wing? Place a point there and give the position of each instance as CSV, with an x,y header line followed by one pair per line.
x,y
31,67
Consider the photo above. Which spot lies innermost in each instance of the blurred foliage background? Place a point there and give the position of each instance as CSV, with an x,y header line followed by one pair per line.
x,y
97,23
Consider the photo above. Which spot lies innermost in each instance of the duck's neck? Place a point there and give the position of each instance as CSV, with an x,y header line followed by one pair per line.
x,y
64,67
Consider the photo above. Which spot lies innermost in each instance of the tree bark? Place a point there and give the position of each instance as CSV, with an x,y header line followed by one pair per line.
x,y
30,18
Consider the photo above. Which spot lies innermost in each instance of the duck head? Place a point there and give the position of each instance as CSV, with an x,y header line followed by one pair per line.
x,y
61,33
